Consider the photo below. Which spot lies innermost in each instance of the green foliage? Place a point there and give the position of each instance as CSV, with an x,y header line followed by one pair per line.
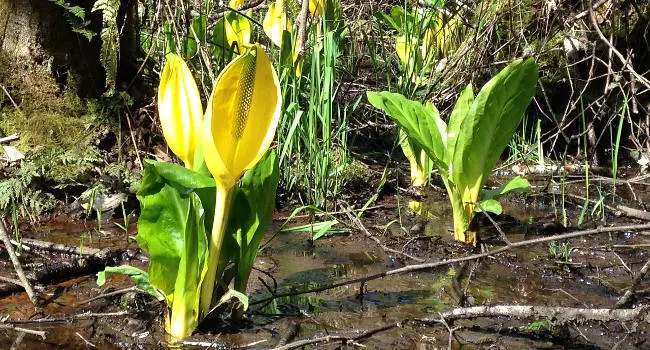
x,y
76,16
110,36
42,165
466,150
139,277
254,201
177,209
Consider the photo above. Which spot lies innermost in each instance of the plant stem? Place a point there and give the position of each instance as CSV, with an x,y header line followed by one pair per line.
x,y
221,210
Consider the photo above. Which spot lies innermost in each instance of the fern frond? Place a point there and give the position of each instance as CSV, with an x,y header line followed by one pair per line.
x,y
110,40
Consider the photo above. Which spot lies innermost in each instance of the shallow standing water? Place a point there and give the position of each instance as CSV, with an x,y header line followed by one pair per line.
x,y
590,276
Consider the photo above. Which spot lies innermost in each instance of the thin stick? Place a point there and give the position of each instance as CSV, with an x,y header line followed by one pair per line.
x,y
625,299
360,225
16,262
431,265
624,61
110,294
25,330
329,338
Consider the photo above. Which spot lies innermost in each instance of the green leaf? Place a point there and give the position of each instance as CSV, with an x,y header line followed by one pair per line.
x,y
185,303
251,212
168,215
491,206
490,123
517,185
458,115
139,277
233,294
421,123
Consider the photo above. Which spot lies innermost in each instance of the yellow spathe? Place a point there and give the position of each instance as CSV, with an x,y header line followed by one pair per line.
x,y
236,4
179,108
275,22
242,115
316,7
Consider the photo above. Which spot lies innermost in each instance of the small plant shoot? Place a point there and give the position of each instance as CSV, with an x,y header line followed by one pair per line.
x,y
467,148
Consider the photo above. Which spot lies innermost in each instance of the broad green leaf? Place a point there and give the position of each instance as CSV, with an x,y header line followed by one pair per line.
x,y
421,123
166,217
517,184
491,206
139,277
251,212
488,127
458,114
185,303
321,228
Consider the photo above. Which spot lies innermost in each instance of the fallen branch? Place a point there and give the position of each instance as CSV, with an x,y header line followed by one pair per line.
x,y
618,210
14,259
557,313
431,265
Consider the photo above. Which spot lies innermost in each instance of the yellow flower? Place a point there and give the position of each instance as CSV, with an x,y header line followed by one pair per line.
x,y
179,108
276,22
242,116
240,122
316,7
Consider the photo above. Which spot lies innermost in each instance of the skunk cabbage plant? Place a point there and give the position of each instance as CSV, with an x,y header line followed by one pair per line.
x,y
276,22
467,148
184,223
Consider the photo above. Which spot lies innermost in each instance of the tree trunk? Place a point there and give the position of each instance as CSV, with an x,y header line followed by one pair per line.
x,y
35,37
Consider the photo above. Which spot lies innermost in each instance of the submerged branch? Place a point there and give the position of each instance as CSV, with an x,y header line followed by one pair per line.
x,y
431,265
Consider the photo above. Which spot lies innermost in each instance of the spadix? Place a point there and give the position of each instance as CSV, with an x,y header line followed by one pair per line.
x,y
179,108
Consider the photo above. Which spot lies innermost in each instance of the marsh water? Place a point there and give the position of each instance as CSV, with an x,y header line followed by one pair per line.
x,y
591,272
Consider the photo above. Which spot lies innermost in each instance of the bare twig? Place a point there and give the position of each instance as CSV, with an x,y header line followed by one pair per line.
x,y
591,8
625,299
14,259
431,265
624,61
360,225
20,329
558,313
330,338
110,294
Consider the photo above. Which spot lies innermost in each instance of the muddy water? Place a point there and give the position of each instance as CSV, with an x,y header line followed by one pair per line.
x,y
590,275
